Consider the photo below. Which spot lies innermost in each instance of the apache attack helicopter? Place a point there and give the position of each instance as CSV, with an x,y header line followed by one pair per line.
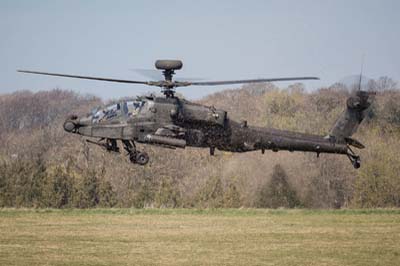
x,y
173,122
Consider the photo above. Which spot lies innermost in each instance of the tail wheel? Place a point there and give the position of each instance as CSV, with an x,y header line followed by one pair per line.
x,y
354,159
142,158
357,163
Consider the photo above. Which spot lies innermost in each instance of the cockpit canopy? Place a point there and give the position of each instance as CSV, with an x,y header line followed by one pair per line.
x,y
125,108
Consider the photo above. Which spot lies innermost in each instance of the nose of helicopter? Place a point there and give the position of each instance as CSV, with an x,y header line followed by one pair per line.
x,y
78,125
73,122
85,121
69,126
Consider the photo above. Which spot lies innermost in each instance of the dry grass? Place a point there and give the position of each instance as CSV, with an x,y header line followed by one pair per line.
x,y
195,237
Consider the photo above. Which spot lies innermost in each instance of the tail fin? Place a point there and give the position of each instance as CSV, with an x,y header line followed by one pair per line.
x,y
348,122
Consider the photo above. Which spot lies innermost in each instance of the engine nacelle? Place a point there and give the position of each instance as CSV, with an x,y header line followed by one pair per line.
x,y
202,114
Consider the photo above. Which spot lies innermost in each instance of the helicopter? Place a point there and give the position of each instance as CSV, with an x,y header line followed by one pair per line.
x,y
173,122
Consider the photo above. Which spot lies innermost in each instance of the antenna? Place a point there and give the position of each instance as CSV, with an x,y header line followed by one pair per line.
x,y
362,66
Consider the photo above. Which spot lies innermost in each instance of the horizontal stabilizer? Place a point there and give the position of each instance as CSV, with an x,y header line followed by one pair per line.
x,y
354,143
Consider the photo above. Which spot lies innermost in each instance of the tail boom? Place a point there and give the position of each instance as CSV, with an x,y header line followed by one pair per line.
x,y
243,138
256,138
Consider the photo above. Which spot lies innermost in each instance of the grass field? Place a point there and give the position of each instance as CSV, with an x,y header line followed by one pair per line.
x,y
199,237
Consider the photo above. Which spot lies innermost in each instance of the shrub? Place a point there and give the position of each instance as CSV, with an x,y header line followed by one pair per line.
x,y
277,192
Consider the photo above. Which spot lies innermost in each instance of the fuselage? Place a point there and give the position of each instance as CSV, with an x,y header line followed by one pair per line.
x,y
174,122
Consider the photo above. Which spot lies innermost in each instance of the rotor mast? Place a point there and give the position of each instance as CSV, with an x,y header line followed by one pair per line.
x,y
168,68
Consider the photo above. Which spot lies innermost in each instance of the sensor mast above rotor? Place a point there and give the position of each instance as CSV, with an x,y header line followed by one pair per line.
x,y
168,68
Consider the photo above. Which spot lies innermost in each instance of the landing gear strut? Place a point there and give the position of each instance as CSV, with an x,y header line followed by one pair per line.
x,y
135,156
111,145
212,151
354,159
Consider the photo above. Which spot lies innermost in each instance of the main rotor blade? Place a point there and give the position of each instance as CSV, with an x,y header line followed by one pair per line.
x,y
87,77
149,73
227,82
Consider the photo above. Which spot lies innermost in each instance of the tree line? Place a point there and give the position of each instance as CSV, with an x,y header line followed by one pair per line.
x,y
41,166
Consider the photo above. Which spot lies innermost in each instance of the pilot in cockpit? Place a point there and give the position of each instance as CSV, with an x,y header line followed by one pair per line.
x,y
130,108
107,113
134,107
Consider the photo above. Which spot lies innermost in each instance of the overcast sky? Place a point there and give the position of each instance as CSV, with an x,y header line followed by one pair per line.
x,y
215,40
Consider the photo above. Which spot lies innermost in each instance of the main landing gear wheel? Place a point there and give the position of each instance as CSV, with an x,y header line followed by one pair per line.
x,y
135,156
357,163
142,158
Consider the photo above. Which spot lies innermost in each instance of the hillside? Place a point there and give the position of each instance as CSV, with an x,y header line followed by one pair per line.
x,y
42,166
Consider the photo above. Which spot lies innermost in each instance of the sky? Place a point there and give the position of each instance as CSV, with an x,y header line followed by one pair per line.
x,y
216,40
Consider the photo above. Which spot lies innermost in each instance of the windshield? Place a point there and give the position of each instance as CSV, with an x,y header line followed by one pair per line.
x,y
134,107
129,108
